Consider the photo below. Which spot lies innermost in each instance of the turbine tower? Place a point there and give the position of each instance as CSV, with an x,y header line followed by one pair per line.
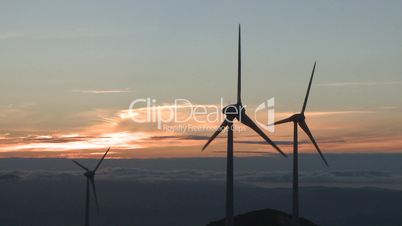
x,y
235,111
300,119
90,175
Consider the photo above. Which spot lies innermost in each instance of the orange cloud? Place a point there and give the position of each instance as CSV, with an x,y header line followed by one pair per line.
x,y
335,131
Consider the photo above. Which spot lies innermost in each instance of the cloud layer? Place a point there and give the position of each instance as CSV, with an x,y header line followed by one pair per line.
x,y
345,178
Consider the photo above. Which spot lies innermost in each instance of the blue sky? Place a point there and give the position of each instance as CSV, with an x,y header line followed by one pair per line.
x,y
172,44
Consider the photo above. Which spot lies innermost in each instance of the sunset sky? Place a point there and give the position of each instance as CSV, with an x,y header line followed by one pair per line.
x,y
70,69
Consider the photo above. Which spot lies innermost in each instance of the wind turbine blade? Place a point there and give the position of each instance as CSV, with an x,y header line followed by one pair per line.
x,y
100,161
94,191
85,168
248,122
308,89
283,121
239,70
221,127
304,127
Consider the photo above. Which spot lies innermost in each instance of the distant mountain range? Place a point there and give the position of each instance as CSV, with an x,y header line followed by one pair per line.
x,y
264,217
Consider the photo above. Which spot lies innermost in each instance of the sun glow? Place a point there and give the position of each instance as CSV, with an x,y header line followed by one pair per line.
x,y
120,140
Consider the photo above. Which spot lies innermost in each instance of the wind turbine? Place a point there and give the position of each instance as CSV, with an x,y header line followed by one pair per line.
x,y
300,119
90,175
235,111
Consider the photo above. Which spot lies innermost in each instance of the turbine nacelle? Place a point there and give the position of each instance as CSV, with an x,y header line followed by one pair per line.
x,y
89,174
298,117
233,111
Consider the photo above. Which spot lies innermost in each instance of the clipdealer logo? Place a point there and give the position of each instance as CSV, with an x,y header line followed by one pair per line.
x,y
182,113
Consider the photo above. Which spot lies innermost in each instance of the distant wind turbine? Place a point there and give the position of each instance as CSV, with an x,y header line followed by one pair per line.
x,y
235,111
299,119
90,175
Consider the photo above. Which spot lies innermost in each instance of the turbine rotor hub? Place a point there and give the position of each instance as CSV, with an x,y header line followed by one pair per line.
x,y
298,117
233,110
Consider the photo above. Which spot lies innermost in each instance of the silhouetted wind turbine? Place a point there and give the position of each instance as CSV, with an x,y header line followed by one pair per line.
x,y
299,119
235,111
90,175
